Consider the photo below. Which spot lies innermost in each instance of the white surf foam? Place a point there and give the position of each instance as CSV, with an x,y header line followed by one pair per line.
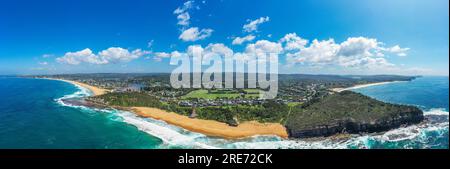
x,y
413,132
82,92
436,111
287,144
179,137
165,133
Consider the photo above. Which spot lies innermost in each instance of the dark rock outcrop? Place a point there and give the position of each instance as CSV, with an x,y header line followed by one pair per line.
x,y
354,127
86,103
352,113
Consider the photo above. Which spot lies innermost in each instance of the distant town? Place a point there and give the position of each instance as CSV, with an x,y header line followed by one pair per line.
x,y
293,88
306,105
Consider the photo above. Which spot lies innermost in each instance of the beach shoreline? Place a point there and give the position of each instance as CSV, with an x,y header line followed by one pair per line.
x,y
362,86
214,128
207,127
96,91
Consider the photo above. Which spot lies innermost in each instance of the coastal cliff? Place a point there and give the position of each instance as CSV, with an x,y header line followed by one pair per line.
x,y
349,112
150,107
341,112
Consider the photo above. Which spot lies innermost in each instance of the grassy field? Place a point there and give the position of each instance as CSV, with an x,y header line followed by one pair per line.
x,y
214,94
293,104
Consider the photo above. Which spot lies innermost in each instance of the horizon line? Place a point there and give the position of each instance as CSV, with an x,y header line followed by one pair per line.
x,y
329,74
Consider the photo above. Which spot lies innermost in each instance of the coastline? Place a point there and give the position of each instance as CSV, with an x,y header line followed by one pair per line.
x,y
96,91
383,139
207,127
362,86
213,128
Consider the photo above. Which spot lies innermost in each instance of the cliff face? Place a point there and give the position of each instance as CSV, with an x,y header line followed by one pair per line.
x,y
353,127
350,113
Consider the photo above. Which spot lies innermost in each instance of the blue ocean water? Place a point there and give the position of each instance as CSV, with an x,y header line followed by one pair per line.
x,y
431,94
425,92
32,115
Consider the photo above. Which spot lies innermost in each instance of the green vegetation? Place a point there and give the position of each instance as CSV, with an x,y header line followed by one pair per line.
x,y
269,111
221,93
303,104
129,99
345,106
345,111
294,104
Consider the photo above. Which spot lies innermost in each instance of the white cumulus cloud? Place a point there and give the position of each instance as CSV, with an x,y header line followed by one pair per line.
x,y
117,55
240,40
318,53
158,56
194,34
355,52
359,46
183,14
397,50
253,25
183,19
264,46
107,56
293,42
75,58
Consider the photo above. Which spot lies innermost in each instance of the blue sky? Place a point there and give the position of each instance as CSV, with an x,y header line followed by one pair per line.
x,y
317,36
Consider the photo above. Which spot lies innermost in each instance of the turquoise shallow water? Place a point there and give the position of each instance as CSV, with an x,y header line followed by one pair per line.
x,y
32,115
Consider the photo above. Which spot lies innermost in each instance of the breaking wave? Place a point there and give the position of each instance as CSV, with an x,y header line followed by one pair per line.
x,y
80,93
422,135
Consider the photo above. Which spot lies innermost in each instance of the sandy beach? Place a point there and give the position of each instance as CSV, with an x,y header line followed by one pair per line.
x,y
361,86
214,128
207,127
95,90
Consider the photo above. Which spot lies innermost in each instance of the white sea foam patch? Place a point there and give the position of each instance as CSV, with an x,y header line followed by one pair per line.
x,y
413,133
262,142
175,136
163,131
436,111
82,92
171,135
